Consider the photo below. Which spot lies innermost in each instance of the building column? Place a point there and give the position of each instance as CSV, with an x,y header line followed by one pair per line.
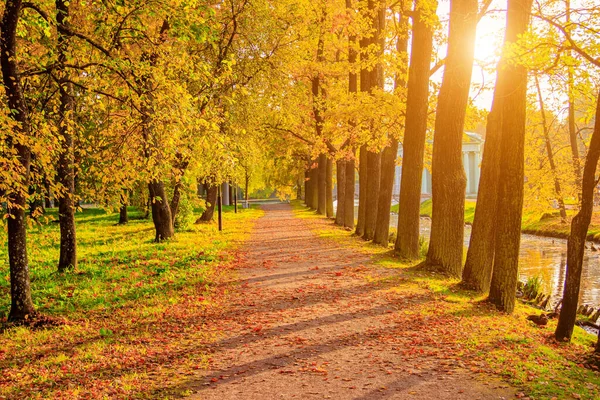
x,y
477,171
467,171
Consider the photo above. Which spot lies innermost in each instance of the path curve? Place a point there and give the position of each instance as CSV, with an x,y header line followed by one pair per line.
x,y
307,323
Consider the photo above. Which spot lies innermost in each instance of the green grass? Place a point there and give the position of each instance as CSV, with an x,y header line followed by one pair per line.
x,y
427,205
474,333
129,304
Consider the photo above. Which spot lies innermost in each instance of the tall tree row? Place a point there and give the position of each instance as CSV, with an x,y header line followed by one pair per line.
x,y
448,176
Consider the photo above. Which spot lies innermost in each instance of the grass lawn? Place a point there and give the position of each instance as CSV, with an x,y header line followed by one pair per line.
x,y
538,223
427,205
133,309
468,333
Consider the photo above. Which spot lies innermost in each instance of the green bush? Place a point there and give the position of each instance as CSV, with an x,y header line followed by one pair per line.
x,y
185,217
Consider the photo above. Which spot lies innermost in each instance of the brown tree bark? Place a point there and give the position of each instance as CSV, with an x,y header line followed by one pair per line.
x,y
161,212
180,167
350,193
480,256
372,196
340,171
322,185
550,153
503,285
577,237
571,108
307,187
350,173
363,174
314,176
66,167
20,289
388,156
329,188
123,216
211,201
448,175
413,145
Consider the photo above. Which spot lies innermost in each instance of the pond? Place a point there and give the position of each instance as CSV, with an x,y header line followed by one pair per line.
x,y
546,258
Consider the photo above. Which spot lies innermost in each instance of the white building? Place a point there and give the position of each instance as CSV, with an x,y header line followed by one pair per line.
x,y
472,150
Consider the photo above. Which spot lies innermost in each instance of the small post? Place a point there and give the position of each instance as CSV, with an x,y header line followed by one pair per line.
x,y
235,193
220,208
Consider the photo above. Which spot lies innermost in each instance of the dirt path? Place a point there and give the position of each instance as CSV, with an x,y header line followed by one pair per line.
x,y
309,324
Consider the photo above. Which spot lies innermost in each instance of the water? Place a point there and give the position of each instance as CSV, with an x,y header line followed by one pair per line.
x,y
546,258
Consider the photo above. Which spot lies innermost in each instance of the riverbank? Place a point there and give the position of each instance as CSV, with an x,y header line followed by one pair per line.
x,y
546,224
472,335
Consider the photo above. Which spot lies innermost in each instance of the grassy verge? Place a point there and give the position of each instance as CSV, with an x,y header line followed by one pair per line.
x,y
546,223
456,326
134,310
427,205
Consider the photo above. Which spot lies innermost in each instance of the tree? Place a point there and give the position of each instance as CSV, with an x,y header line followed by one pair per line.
x,y
413,146
577,237
503,285
448,176
390,152
20,290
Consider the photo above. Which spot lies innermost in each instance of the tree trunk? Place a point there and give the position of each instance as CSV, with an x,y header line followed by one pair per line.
x,y
123,216
388,157
349,192
161,212
66,167
20,290
48,193
314,176
510,191
211,201
448,175
480,256
363,174
180,166
374,171
350,173
550,153
329,188
413,145
571,107
340,170
322,185
307,187
576,241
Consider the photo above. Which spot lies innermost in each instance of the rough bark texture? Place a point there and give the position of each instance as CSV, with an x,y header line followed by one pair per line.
x,y
510,191
180,167
550,153
20,290
389,154
480,256
362,190
374,171
123,216
314,176
307,187
161,212
66,167
211,201
448,175
329,188
349,195
413,145
340,170
322,185
576,241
